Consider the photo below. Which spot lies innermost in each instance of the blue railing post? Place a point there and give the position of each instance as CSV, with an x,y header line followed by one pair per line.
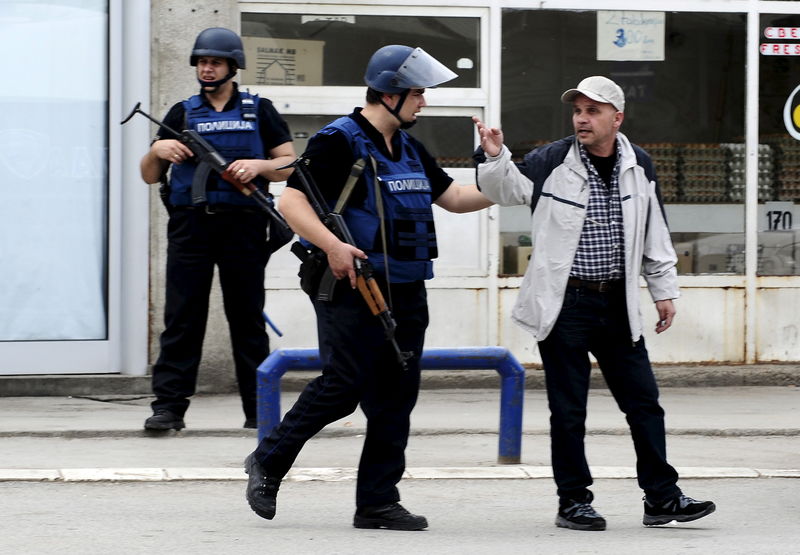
x,y
512,386
268,385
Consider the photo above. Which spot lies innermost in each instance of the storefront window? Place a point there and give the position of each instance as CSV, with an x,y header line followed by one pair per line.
x,y
333,50
779,136
684,105
448,139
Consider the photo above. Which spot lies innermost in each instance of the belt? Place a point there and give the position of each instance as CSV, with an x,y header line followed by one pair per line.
x,y
218,209
601,286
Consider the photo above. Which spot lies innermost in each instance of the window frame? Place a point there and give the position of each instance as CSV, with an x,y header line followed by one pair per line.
x,y
326,100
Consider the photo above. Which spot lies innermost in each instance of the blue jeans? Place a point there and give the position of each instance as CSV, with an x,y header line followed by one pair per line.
x,y
597,323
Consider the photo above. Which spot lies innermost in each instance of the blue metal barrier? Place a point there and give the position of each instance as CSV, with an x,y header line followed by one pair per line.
x,y
512,386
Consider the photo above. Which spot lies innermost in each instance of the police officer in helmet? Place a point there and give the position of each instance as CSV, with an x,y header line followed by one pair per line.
x,y
228,230
360,366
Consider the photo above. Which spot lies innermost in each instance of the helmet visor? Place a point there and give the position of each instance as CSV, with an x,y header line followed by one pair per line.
x,y
421,71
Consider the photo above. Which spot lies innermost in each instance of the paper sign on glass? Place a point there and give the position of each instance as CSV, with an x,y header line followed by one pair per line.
x,y
630,36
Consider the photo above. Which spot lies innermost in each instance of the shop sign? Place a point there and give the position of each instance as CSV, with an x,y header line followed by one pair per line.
x,y
791,115
780,49
630,36
782,32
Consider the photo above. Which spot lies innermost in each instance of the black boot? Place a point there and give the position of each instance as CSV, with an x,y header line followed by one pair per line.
x,y
164,419
262,490
392,517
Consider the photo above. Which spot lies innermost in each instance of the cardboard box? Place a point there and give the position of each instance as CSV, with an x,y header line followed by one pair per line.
x,y
515,259
685,252
277,62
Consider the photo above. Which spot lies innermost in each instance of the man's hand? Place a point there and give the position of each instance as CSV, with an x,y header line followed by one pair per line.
x,y
245,171
340,259
666,312
491,137
171,150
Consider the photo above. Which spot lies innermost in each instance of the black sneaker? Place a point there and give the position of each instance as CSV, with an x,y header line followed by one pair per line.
x,y
578,515
250,423
164,419
392,517
262,490
681,509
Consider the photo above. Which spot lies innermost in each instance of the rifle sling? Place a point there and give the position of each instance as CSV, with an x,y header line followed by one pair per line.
x,y
379,206
355,173
347,190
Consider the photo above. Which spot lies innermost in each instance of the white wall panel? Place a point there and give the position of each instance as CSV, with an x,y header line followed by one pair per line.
x,y
457,318
514,338
708,327
292,313
778,329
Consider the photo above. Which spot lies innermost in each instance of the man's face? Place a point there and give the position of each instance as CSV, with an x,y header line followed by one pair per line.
x,y
415,101
212,68
596,124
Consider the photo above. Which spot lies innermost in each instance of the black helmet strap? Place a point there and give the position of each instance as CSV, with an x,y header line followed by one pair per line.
x,y
214,85
396,111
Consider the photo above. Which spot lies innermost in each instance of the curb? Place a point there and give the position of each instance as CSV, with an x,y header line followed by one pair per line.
x,y
357,431
699,375
516,472
685,375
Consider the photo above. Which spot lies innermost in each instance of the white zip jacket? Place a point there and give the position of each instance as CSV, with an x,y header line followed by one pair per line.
x,y
557,171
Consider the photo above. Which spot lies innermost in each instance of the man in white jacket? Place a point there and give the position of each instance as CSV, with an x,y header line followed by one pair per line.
x,y
598,224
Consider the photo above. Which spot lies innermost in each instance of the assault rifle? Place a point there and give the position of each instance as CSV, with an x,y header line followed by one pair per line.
x,y
208,159
365,280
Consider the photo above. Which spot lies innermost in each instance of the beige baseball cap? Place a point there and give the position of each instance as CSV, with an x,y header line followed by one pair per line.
x,y
599,89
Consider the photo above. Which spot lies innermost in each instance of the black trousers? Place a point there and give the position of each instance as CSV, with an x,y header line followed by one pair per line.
x,y
359,367
597,323
235,242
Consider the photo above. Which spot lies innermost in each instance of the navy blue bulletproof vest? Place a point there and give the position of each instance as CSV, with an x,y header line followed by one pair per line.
x,y
233,133
406,193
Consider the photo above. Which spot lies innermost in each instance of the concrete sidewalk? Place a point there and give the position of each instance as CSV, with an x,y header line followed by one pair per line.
x,y
741,432
713,411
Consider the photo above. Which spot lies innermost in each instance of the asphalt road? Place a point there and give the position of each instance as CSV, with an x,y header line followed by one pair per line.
x,y
754,516
78,475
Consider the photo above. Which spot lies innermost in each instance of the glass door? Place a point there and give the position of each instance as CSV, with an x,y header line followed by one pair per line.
x,y
54,187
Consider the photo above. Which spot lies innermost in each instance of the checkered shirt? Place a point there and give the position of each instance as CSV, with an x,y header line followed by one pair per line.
x,y
601,249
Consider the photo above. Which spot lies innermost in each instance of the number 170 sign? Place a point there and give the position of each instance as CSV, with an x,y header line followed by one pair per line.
x,y
778,216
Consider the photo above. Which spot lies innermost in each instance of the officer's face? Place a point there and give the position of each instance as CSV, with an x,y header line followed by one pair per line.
x,y
414,103
596,124
211,68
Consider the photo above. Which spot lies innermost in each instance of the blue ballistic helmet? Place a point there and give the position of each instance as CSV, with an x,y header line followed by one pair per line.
x,y
396,68
219,42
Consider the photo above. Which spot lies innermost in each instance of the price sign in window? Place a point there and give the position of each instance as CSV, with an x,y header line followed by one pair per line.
x,y
778,216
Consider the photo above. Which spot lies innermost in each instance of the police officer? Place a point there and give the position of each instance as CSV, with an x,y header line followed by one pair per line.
x,y
227,230
359,364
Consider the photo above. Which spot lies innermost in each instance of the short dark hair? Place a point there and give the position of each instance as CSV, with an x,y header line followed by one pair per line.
x,y
374,96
